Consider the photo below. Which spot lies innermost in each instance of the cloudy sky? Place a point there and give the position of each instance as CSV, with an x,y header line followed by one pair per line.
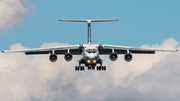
x,y
34,24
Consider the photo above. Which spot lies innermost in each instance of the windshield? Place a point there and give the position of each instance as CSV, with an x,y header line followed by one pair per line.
x,y
91,50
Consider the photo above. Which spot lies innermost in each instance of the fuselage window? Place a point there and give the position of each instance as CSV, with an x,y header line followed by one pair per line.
x,y
91,50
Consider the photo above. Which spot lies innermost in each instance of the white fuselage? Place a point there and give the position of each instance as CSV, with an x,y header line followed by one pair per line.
x,y
90,52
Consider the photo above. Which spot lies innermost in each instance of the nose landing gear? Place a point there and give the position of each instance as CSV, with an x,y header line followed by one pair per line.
x,y
91,68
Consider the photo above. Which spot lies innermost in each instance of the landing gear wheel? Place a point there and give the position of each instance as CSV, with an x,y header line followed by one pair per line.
x,y
93,68
82,68
104,68
89,68
97,68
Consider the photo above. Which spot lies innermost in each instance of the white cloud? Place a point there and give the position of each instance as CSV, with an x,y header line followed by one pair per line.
x,y
145,78
13,12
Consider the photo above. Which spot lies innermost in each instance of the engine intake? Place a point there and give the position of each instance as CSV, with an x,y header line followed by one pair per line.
x,y
68,56
53,57
128,57
113,56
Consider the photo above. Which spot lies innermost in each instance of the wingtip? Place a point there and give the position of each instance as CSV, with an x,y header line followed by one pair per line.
x,y
117,20
60,20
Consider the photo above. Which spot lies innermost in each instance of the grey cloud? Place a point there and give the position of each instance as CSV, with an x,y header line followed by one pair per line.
x,y
13,12
146,78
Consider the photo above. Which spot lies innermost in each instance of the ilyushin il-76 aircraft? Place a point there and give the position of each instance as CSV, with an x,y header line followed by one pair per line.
x,y
90,52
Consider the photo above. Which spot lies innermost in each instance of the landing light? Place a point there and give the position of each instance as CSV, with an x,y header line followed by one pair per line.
x,y
94,61
88,61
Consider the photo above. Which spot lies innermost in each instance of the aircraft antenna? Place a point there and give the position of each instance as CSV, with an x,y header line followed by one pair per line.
x,y
89,25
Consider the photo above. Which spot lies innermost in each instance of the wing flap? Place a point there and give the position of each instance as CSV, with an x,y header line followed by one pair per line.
x,y
105,51
142,52
76,51
60,52
37,52
120,51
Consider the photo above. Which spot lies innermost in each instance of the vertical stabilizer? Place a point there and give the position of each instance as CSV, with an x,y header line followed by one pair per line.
x,y
89,25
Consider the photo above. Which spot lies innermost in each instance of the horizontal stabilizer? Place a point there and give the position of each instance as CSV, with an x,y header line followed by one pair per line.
x,y
89,21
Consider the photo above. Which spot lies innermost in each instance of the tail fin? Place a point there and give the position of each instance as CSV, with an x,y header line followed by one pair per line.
x,y
89,25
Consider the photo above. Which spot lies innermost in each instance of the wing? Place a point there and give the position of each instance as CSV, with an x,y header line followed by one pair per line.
x,y
107,49
73,49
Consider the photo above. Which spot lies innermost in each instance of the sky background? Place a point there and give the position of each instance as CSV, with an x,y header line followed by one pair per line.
x,y
34,24
140,22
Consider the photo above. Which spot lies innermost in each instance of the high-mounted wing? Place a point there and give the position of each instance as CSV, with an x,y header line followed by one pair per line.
x,y
108,49
73,49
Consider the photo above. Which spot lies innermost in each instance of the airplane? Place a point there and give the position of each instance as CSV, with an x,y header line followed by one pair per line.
x,y
90,52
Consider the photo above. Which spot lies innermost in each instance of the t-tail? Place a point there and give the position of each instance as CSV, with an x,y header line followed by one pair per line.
x,y
89,25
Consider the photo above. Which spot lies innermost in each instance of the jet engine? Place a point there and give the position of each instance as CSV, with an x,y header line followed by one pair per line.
x,y
53,57
68,56
128,57
113,56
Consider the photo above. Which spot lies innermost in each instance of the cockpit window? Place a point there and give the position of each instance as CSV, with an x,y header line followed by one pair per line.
x,y
91,50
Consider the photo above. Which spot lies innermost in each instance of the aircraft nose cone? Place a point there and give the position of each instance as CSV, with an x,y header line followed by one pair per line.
x,y
91,55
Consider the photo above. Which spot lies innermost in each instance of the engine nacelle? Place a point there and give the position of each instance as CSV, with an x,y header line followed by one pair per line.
x,y
53,57
113,56
68,56
128,57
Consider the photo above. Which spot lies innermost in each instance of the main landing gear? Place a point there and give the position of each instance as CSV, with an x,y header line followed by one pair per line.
x,y
98,68
79,68
103,68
